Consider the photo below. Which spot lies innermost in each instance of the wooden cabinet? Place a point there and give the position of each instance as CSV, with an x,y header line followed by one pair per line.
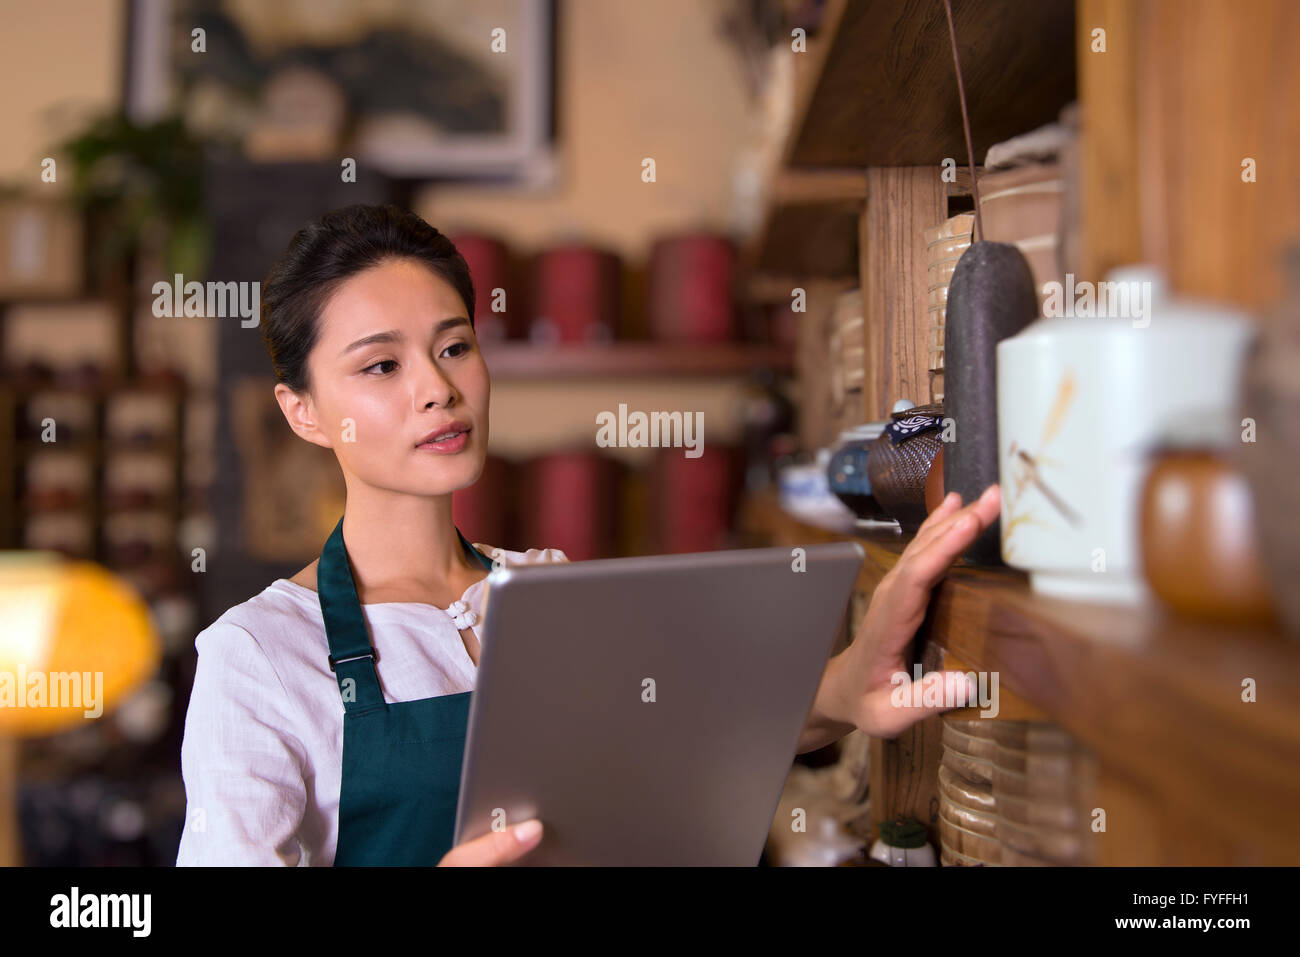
x,y
1180,741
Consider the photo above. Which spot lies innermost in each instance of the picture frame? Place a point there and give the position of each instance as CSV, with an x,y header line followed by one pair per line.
x,y
440,90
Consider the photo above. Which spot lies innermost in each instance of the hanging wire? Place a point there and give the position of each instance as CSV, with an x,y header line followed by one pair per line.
x,y
965,123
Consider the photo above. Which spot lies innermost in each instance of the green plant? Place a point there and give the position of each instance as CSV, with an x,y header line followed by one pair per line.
x,y
139,185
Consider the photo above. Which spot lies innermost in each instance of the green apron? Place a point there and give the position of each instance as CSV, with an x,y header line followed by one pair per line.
x,y
401,760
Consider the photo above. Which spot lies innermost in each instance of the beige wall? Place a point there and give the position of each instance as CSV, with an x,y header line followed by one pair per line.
x,y
60,58
635,79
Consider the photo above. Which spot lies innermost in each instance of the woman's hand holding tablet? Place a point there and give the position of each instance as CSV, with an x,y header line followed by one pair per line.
x,y
495,848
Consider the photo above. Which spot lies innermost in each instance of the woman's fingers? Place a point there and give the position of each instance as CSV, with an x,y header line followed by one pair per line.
x,y
889,711
987,505
901,597
496,848
942,518
955,533
950,504
926,561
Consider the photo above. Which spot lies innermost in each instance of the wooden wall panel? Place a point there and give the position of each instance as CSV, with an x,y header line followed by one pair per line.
x,y
1185,91
1221,82
1111,230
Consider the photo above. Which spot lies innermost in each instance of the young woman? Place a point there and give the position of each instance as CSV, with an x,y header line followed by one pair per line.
x,y
327,721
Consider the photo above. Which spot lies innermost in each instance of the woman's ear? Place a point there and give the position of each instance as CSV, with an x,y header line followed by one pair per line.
x,y
301,415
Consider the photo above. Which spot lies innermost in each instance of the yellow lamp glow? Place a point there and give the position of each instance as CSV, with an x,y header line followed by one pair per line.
x,y
74,641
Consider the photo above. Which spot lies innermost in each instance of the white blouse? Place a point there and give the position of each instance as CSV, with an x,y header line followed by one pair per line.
x,y
263,748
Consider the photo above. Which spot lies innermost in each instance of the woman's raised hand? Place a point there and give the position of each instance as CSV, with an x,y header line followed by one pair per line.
x,y
880,646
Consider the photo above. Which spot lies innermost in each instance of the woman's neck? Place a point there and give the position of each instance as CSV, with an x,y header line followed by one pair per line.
x,y
405,548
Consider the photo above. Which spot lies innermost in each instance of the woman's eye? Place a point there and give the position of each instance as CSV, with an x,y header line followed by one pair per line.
x,y
454,345
382,362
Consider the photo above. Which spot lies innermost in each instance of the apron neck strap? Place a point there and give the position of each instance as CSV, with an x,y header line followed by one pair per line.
x,y
474,552
351,655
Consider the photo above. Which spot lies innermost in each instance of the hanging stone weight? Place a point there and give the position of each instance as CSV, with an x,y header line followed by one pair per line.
x,y
991,296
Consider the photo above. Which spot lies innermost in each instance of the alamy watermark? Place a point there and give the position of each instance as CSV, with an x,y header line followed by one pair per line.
x,y
980,689
639,430
213,300
1113,299
54,689
75,909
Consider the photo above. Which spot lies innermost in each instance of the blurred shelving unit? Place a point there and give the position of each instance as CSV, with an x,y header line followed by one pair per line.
x,y
615,360
96,448
70,782
575,382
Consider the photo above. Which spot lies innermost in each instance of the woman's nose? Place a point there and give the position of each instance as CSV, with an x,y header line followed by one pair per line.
x,y
431,387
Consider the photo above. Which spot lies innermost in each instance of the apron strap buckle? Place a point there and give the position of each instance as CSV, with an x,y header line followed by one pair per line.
x,y
338,661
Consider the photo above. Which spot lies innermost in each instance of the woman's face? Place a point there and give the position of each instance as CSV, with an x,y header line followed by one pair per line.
x,y
396,361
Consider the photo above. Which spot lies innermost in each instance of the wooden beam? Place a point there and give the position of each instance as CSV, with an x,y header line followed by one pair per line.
x,y
902,202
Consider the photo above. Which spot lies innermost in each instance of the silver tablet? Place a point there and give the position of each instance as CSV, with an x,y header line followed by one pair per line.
x,y
647,710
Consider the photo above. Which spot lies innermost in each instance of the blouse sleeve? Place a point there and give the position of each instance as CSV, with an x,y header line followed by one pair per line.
x,y
243,769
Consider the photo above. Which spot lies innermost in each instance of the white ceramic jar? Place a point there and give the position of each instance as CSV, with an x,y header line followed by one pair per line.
x,y
1081,401
922,856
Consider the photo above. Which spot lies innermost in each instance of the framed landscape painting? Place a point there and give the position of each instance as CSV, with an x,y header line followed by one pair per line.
x,y
427,89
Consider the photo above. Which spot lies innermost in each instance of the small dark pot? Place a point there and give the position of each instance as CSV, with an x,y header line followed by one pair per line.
x,y
898,469
849,479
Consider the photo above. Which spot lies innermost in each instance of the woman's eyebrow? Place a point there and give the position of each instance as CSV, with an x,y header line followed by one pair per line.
x,y
391,335
395,335
446,324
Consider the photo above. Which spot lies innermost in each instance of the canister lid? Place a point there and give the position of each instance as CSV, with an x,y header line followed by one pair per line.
x,y
905,833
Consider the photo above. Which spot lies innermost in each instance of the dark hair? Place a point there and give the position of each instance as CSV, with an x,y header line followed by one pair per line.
x,y
321,255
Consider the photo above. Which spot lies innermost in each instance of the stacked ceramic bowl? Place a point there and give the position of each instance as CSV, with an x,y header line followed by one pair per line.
x,y
944,245
968,817
1009,794
1023,206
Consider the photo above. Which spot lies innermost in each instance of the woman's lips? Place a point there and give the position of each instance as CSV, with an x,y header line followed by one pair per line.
x,y
454,444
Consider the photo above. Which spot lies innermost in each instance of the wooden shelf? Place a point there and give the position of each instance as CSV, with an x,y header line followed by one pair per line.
x,y
810,231
883,91
810,241
26,448
523,360
1157,699
22,387
808,187
810,225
